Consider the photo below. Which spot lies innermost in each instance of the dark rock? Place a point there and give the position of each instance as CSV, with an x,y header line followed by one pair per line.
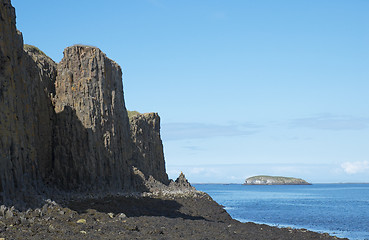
x,y
148,152
181,184
64,127
182,181
26,110
92,129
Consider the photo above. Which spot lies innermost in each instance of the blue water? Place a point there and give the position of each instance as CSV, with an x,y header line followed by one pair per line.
x,y
341,210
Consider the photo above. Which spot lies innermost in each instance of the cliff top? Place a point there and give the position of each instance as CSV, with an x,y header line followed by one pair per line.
x,y
81,49
33,49
132,114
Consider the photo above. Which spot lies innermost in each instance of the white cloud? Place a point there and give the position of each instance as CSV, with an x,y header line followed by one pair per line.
x,y
355,167
197,170
331,122
180,131
203,171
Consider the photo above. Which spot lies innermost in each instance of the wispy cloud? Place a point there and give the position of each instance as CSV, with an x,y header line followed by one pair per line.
x,y
193,148
355,167
204,171
331,122
237,173
180,131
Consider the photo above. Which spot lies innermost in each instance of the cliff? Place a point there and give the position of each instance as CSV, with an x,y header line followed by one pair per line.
x,y
145,134
26,112
64,127
91,139
272,180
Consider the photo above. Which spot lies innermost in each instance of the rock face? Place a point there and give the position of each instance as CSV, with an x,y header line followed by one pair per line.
x,y
26,114
271,180
182,182
65,126
92,140
149,155
179,187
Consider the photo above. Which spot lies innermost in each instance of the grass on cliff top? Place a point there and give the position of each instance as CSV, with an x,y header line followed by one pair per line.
x,y
132,113
274,177
83,45
31,48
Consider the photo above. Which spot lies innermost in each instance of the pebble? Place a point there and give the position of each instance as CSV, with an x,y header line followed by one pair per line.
x,y
2,210
82,221
23,220
44,209
51,228
9,213
38,212
83,232
111,215
52,203
31,220
121,216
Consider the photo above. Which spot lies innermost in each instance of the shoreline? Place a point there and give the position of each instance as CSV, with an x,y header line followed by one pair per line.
x,y
173,216
276,185
291,226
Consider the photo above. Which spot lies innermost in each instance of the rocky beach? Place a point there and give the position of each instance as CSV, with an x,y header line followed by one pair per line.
x,y
189,216
75,165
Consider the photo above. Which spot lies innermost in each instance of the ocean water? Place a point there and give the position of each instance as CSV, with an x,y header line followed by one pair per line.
x,y
341,210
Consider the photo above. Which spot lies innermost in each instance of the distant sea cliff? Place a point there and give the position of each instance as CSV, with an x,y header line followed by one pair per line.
x,y
274,180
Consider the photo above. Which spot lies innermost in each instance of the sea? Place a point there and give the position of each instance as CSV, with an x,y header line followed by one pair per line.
x,y
341,210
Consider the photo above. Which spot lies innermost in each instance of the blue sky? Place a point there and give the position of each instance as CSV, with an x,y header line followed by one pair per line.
x,y
243,87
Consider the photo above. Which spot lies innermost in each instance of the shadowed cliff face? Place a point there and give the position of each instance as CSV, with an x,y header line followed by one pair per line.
x,y
96,150
65,125
148,152
25,112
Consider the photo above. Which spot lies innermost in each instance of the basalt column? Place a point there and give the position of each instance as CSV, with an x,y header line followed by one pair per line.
x,y
148,153
26,112
91,137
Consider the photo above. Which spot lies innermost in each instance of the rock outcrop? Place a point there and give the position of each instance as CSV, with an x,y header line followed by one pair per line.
x,y
64,127
272,180
179,187
92,140
25,112
148,152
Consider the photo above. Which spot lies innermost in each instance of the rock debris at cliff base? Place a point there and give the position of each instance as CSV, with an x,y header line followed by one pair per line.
x,y
176,217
